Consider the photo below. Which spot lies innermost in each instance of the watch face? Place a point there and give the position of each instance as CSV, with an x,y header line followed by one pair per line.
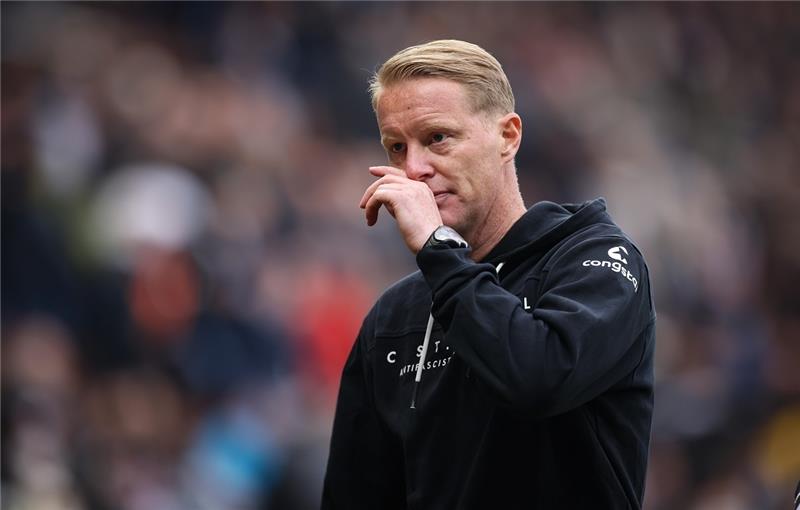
x,y
447,235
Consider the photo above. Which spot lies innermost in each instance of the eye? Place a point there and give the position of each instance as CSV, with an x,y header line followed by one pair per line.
x,y
397,147
438,137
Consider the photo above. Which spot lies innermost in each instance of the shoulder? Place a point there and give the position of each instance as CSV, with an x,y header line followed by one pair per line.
x,y
402,308
597,241
602,258
411,285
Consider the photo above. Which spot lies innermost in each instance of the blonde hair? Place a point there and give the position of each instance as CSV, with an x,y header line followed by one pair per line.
x,y
455,60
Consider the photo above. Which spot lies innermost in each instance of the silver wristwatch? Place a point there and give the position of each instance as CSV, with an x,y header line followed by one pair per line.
x,y
446,236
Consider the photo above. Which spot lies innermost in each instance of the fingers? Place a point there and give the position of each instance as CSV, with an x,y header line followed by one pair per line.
x,y
381,196
378,193
372,187
410,202
386,173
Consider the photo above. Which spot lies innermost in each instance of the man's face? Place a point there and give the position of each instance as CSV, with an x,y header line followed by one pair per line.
x,y
430,131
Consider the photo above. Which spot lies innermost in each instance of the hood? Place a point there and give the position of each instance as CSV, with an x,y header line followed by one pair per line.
x,y
544,225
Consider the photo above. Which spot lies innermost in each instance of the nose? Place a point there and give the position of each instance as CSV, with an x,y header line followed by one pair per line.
x,y
417,164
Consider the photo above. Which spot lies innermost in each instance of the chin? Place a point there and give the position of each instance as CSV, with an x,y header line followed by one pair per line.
x,y
455,216
452,221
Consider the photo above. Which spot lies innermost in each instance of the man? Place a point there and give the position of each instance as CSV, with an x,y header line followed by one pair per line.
x,y
530,384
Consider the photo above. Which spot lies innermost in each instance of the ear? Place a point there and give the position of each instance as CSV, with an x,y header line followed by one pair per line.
x,y
510,126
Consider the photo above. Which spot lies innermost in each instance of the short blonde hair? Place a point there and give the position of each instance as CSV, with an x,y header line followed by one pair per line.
x,y
460,61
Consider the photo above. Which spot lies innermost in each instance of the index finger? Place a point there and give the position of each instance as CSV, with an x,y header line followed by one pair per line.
x,y
380,171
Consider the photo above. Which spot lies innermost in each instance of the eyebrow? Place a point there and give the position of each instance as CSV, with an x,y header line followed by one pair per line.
x,y
427,127
387,140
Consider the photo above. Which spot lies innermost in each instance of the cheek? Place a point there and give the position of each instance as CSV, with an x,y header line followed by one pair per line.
x,y
482,168
471,169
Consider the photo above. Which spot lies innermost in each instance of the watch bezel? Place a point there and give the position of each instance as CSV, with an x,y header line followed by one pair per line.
x,y
444,235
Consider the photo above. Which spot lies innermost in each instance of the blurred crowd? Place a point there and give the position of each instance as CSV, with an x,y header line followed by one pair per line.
x,y
185,268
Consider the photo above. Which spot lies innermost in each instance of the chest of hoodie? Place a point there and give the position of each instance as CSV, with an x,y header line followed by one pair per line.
x,y
449,396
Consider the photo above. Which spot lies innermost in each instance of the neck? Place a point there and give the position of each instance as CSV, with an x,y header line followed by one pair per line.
x,y
499,219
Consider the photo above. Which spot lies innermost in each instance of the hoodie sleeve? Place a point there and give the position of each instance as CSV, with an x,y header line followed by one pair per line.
x,y
364,466
582,335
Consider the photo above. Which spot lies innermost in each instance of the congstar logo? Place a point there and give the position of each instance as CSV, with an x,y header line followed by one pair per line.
x,y
614,253
617,265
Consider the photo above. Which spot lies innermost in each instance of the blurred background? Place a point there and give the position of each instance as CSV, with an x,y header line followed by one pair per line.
x,y
185,268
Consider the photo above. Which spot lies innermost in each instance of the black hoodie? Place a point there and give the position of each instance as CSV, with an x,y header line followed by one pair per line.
x,y
537,388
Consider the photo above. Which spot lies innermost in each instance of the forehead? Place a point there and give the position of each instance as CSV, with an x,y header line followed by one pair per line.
x,y
420,99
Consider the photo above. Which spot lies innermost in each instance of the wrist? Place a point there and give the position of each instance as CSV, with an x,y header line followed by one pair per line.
x,y
444,237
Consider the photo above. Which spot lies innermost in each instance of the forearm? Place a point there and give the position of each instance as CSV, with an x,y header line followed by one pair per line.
x,y
573,344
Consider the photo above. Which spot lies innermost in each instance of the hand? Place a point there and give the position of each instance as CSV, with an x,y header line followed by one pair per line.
x,y
410,202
